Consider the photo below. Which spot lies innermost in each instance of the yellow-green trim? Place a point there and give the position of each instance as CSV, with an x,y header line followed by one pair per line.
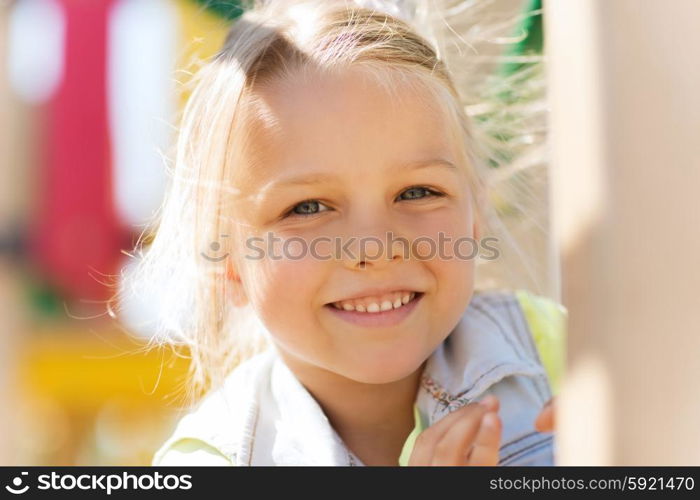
x,y
547,321
411,439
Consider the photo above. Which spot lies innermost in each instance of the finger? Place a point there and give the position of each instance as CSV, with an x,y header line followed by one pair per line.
x,y
545,420
422,450
487,442
426,441
491,403
452,448
424,447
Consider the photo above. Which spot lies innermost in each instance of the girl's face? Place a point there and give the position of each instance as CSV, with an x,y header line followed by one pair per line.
x,y
335,169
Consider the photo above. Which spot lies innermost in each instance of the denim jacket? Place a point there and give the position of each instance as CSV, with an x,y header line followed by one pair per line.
x,y
262,415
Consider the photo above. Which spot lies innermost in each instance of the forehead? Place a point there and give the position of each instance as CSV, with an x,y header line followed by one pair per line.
x,y
345,121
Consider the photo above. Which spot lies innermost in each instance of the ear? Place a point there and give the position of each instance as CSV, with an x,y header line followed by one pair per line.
x,y
238,293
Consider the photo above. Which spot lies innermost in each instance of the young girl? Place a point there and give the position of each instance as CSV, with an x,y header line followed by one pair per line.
x,y
317,227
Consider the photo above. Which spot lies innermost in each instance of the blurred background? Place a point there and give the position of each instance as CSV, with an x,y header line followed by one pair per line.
x,y
89,95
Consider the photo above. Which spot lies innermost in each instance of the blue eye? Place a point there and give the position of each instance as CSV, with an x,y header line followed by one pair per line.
x,y
307,207
418,192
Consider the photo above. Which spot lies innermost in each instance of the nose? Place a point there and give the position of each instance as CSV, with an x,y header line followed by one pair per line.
x,y
374,244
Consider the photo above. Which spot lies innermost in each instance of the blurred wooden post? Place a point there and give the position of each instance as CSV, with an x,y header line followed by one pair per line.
x,y
625,101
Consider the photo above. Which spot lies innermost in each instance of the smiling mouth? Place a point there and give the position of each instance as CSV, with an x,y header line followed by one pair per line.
x,y
377,304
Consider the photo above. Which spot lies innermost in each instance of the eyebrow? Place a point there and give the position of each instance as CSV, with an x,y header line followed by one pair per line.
x,y
433,162
319,178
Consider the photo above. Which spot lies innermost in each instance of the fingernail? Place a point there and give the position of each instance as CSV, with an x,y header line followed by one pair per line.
x,y
488,400
490,420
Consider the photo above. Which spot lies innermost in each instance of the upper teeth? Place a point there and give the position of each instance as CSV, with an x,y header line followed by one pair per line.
x,y
375,304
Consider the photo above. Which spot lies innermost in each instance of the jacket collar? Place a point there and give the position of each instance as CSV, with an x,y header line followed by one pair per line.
x,y
481,350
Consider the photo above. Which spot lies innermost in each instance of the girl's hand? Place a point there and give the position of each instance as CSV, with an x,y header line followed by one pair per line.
x,y
468,436
545,420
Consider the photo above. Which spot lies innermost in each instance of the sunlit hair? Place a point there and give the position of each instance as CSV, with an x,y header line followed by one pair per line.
x,y
270,43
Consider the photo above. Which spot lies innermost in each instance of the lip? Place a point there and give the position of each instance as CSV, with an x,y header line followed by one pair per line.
x,y
391,317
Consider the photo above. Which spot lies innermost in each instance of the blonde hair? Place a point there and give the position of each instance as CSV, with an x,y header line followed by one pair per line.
x,y
271,42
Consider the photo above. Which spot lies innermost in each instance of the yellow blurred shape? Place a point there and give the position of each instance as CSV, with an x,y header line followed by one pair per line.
x,y
82,369
202,35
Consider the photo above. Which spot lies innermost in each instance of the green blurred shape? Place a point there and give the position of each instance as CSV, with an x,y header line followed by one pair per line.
x,y
44,300
510,86
228,9
532,43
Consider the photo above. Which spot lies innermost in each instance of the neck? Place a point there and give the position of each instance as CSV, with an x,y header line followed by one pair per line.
x,y
373,420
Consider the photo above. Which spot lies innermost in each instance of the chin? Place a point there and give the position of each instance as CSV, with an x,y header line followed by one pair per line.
x,y
391,367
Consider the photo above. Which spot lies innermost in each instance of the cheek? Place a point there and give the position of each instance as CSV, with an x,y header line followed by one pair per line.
x,y
449,251
286,301
444,234
454,288
284,292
